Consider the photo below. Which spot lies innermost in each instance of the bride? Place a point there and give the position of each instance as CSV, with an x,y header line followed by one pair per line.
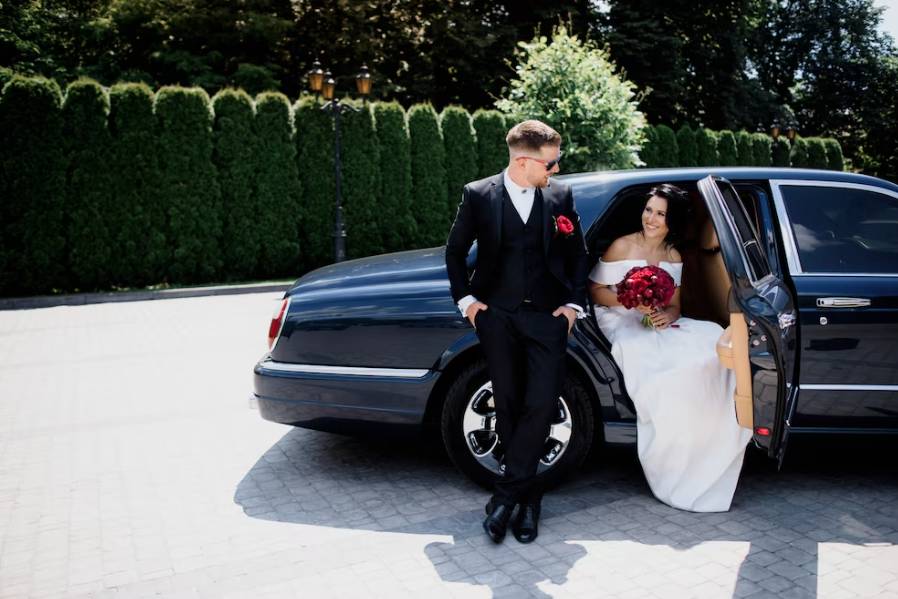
x,y
689,443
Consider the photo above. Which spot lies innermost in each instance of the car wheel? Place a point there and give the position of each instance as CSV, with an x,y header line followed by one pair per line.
x,y
468,427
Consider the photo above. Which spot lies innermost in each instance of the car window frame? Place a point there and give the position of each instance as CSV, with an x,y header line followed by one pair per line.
x,y
743,244
790,247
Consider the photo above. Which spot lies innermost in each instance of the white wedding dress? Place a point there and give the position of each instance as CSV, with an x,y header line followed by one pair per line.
x,y
689,443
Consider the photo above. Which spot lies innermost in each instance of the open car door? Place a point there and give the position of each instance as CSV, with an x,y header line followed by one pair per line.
x,y
760,343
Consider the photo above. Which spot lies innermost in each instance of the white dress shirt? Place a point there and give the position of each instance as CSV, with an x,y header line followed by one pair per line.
x,y
522,200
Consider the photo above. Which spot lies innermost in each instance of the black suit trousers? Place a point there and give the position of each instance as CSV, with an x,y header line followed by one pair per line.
x,y
525,352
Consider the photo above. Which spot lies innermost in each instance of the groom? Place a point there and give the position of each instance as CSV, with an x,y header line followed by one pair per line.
x,y
527,289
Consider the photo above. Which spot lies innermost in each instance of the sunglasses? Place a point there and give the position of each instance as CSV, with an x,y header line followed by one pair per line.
x,y
549,164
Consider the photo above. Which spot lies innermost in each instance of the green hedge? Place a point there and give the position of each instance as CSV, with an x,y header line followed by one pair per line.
x,y
687,147
428,175
460,144
760,143
706,142
32,187
142,189
834,158
492,151
235,158
278,188
727,150
799,155
189,184
361,183
394,215
781,152
817,153
649,152
141,253
315,156
666,152
89,183
745,151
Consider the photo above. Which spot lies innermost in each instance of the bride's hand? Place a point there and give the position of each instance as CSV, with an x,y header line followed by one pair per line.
x,y
661,319
644,309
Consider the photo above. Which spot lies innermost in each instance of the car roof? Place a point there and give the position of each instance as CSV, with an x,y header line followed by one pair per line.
x,y
649,175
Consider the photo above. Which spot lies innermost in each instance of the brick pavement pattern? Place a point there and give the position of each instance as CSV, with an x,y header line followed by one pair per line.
x,y
131,466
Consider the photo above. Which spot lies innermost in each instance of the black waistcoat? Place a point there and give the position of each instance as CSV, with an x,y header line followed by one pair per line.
x,y
522,273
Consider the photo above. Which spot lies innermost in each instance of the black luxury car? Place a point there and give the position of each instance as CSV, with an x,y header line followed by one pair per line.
x,y
800,267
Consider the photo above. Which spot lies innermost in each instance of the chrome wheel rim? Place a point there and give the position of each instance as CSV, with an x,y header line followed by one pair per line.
x,y
481,439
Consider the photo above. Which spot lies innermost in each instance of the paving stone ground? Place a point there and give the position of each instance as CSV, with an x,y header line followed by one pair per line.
x,y
131,466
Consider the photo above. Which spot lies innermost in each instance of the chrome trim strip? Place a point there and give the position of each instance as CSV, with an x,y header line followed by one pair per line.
x,y
849,387
791,250
398,373
846,274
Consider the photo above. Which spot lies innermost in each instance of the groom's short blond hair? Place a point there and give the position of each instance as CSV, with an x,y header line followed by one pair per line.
x,y
531,136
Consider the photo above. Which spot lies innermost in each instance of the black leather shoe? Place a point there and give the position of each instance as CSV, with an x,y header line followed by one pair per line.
x,y
496,522
526,524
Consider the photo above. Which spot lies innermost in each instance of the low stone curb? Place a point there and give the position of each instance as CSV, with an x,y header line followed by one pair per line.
x,y
80,299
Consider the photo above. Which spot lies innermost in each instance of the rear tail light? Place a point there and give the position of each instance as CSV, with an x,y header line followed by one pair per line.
x,y
762,431
277,323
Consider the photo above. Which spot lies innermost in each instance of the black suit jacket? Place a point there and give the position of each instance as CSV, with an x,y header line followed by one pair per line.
x,y
480,217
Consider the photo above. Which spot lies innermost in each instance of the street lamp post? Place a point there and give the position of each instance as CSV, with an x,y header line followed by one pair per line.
x,y
323,83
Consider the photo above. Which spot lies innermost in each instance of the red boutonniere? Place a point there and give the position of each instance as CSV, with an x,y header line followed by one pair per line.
x,y
563,225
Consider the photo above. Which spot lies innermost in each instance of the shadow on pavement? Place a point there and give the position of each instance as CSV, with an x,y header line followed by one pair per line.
x,y
832,490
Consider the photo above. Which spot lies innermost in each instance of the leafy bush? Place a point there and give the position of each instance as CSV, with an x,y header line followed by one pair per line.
x,y
277,187
799,154
255,79
492,151
817,153
397,226
236,158
189,183
706,142
86,144
428,175
745,149
361,183
666,152
648,154
687,147
760,143
32,187
834,159
726,148
141,251
461,154
781,151
315,157
572,86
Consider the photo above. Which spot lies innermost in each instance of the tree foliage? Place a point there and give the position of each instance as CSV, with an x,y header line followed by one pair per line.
x,y
461,154
141,252
834,159
781,152
32,187
760,143
745,151
706,141
573,86
89,185
727,151
236,157
492,151
666,152
394,212
428,175
799,154
189,184
686,146
315,157
361,183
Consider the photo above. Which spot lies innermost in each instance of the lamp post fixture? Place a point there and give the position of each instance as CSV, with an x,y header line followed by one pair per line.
x,y
322,83
775,131
791,131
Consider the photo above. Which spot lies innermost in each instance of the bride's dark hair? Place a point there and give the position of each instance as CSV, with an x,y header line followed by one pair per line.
x,y
677,211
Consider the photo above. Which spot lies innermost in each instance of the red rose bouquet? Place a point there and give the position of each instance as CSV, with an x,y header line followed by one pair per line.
x,y
649,286
564,226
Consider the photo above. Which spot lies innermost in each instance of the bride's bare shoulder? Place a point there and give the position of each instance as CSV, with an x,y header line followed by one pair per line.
x,y
674,255
620,249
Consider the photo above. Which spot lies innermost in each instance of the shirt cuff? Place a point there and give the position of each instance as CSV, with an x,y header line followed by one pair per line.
x,y
464,303
578,310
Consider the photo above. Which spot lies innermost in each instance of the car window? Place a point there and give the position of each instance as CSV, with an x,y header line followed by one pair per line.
x,y
839,229
748,233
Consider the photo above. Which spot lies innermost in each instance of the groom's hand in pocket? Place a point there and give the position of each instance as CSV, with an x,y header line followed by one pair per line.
x,y
569,313
473,309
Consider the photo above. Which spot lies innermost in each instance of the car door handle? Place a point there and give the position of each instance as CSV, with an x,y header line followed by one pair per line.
x,y
842,302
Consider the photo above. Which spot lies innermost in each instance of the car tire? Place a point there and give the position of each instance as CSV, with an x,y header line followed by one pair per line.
x,y
469,395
